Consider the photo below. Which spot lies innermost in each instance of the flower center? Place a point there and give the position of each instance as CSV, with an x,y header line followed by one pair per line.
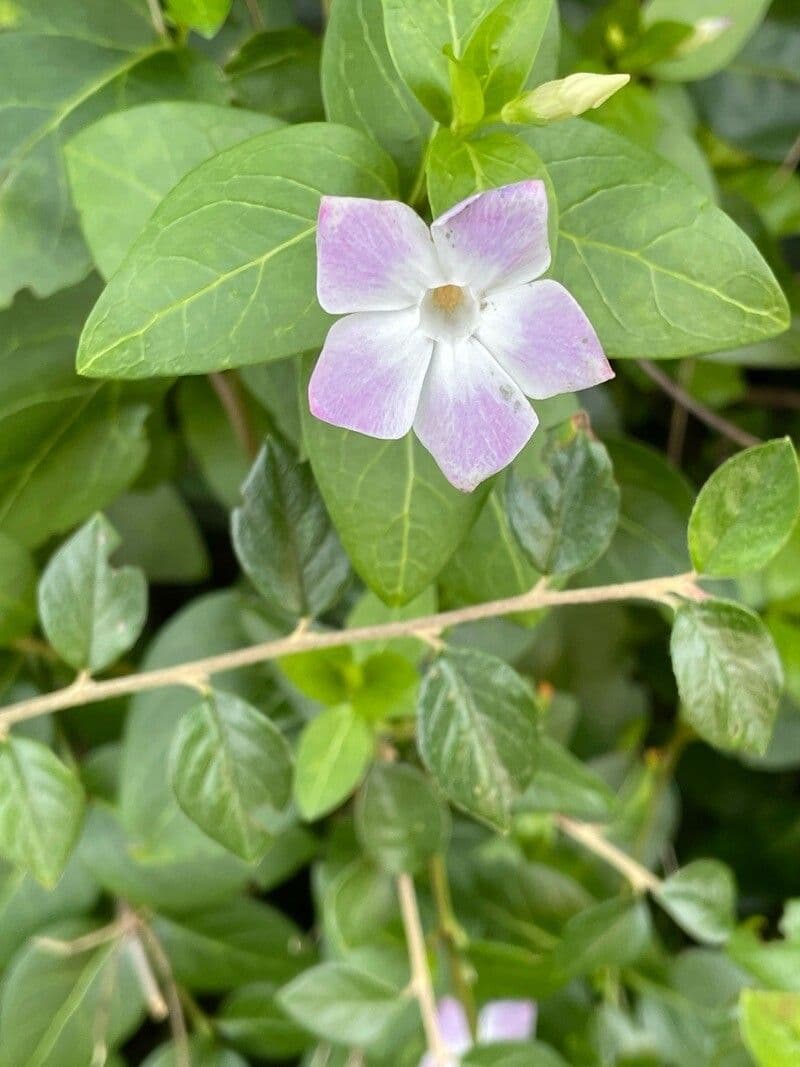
x,y
448,313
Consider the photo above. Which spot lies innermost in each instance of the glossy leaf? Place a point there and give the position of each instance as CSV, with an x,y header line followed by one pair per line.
x,y
562,783
746,510
609,934
224,307
333,754
231,771
701,898
284,538
205,16
41,808
478,733
400,820
728,673
277,71
91,612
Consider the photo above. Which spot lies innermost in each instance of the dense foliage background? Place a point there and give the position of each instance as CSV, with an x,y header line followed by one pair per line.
x,y
586,796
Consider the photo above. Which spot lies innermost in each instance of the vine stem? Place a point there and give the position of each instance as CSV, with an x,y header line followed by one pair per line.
x,y
452,936
421,982
231,396
157,16
641,880
700,411
195,673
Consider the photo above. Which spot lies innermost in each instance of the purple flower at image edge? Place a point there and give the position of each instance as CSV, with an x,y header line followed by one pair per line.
x,y
498,1021
446,328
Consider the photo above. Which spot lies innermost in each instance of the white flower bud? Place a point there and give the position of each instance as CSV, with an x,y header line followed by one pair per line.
x,y
564,98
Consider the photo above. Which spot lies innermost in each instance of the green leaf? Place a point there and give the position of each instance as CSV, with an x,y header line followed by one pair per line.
x,y
160,535
243,290
50,1002
701,898
744,15
201,1052
458,167
333,754
91,612
746,510
728,673
231,770
775,964
399,518
283,537
512,971
465,90
339,1003
238,940
503,47
251,1021
388,686
400,820
205,16
369,610
41,808
277,71
656,266
17,590
561,783
770,1025
55,85
67,446
511,1054
125,25
121,167
478,733
327,675
361,88
565,517
609,934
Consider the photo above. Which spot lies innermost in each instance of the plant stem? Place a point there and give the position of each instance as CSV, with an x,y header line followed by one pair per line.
x,y
196,672
256,17
451,936
420,972
592,837
231,396
157,17
700,411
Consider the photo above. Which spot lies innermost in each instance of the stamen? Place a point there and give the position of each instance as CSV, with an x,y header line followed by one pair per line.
x,y
448,297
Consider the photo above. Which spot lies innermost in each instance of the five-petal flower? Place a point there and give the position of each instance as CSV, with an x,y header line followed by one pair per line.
x,y
498,1021
446,328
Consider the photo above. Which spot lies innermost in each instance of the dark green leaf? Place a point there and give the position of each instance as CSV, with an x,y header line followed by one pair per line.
x,y
478,733
728,672
160,535
284,538
17,590
400,820
701,898
609,934
231,771
333,754
562,783
746,510
91,612
251,1020
509,1054
277,71
202,1052
241,294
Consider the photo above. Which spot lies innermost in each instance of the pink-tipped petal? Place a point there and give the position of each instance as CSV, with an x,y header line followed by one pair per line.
x,y
495,239
472,417
370,372
506,1020
542,337
372,255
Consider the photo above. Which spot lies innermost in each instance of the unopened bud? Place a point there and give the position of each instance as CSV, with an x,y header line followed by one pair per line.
x,y
564,98
705,31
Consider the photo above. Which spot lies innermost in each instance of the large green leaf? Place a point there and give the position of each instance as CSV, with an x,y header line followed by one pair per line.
x,y
67,446
746,510
123,25
728,672
361,87
251,1020
655,265
41,807
231,771
277,71
50,1002
223,272
562,783
771,1027
478,733
121,167
283,537
744,17
399,518
54,86
161,535
91,612
17,590
608,934
701,898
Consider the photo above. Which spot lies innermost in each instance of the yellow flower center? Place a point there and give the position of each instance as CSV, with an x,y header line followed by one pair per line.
x,y
447,298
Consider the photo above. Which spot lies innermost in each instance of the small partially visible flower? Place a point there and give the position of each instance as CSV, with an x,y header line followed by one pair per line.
x,y
499,1020
448,331
705,31
564,98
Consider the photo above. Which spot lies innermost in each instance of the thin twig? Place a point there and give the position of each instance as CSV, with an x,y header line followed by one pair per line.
x,y
194,673
156,1005
452,937
700,411
772,396
790,161
157,16
420,972
177,1020
231,396
680,415
105,1004
256,15
592,837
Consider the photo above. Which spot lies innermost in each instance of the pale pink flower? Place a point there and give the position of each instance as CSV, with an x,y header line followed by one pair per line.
x,y
446,330
498,1021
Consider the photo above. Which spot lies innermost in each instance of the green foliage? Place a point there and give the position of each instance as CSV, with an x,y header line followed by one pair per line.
x,y
701,898
17,590
332,757
90,611
771,1026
